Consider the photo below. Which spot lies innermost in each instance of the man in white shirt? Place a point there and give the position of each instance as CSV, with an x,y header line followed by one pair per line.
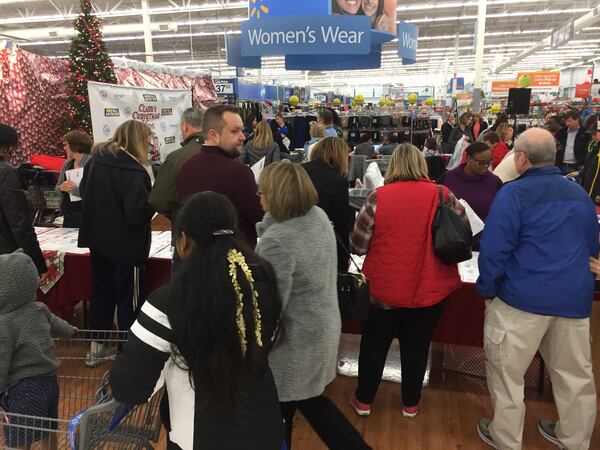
x,y
572,140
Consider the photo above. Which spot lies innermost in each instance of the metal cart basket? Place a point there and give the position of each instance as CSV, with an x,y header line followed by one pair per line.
x,y
88,416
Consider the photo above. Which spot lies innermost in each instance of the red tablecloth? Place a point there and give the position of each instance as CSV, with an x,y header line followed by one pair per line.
x,y
76,283
461,322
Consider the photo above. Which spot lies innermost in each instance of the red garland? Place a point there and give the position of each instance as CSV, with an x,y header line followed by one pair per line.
x,y
93,36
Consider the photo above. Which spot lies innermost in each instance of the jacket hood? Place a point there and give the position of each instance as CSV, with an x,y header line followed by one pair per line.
x,y
121,160
19,281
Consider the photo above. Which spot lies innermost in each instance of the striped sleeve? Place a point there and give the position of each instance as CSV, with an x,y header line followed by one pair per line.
x,y
137,372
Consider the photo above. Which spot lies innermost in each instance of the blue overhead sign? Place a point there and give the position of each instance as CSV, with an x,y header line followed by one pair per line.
x,y
335,62
233,44
307,35
261,9
408,37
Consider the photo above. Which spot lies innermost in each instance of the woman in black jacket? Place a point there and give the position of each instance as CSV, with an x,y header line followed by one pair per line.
x,y
446,129
16,224
209,333
460,130
115,226
327,170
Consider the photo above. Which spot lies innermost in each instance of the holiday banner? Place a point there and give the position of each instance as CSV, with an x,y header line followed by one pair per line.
x,y
161,109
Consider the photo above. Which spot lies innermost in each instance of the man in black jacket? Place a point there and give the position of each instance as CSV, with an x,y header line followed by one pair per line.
x,y
572,140
16,224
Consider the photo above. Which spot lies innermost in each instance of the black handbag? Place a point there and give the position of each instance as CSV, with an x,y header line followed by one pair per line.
x,y
452,237
353,292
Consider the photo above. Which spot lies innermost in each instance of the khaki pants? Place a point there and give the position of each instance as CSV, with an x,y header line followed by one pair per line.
x,y
511,339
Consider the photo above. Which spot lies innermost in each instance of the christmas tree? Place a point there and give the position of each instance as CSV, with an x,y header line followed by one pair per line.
x,y
88,61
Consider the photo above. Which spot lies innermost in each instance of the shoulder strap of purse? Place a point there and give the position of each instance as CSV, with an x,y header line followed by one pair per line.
x,y
440,193
347,251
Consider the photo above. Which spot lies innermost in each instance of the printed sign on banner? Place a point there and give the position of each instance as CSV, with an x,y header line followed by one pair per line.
x,y
161,109
503,86
542,79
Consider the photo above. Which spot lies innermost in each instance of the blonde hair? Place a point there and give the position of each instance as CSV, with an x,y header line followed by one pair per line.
x,y
264,135
502,130
407,164
288,189
131,136
316,130
333,151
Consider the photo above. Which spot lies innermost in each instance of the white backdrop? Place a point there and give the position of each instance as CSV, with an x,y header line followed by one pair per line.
x,y
161,109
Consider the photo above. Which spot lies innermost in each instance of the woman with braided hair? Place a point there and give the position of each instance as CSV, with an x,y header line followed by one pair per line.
x,y
208,333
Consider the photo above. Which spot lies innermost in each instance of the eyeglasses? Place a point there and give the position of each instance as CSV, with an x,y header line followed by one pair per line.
x,y
485,163
259,193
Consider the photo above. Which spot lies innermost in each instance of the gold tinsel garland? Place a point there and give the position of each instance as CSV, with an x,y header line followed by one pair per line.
x,y
236,258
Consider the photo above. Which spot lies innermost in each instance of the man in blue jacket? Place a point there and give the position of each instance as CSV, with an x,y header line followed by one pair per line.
x,y
534,271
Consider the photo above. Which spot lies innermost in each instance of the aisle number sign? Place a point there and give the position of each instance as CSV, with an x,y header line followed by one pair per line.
x,y
224,87
542,79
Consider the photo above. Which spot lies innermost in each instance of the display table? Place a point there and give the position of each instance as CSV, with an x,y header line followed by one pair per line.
x,y
461,323
75,284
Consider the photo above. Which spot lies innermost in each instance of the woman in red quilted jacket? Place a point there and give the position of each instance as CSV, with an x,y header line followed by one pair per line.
x,y
408,283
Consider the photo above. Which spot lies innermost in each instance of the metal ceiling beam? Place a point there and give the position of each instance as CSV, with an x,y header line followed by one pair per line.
x,y
584,21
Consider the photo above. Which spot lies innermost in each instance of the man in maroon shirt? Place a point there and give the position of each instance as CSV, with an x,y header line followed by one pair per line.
x,y
216,168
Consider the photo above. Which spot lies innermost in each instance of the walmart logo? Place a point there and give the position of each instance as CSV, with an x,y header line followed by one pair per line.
x,y
281,8
256,8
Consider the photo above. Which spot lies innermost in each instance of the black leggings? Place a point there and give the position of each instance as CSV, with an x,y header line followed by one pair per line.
x,y
414,329
328,422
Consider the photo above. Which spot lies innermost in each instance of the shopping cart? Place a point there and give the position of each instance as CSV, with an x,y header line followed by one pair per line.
x,y
39,185
88,417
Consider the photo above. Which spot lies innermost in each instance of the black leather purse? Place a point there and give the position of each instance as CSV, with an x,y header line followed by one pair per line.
x,y
353,292
452,237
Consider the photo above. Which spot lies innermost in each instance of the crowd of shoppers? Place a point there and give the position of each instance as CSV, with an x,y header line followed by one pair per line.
x,y
241,319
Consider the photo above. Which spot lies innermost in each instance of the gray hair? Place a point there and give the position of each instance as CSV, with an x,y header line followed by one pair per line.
x,y
538,145
193,117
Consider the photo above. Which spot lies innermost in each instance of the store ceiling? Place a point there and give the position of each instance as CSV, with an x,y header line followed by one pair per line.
x,y
191,33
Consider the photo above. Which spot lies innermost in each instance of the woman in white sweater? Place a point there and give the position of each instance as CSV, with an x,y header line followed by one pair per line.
x,y
296,237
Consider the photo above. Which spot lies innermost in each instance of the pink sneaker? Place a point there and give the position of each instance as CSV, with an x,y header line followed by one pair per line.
x,y
362,409
411,411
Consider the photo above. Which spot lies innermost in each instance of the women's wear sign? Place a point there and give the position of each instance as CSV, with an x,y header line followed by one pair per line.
x,y
318,34
161,109
408,35
306,35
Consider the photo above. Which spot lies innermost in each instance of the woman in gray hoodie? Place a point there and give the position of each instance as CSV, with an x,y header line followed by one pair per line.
x,y
28,367
297,238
